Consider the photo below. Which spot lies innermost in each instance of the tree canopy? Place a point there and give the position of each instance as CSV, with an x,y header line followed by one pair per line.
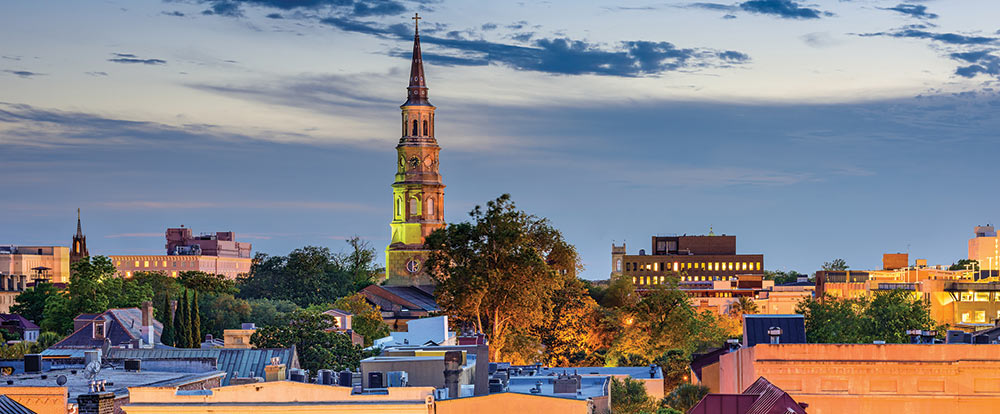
x,y
318,346
367,320
835,264
883,316
94,287
498,273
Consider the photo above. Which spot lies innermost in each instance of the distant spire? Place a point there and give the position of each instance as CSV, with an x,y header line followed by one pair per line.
x,y
416,93
79,228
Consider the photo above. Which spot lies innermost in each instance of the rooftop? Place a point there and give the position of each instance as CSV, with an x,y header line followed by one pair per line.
x,y
117,380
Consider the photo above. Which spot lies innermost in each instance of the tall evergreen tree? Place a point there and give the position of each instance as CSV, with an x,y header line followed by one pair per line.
x,y
167,337
188,334
195,322
180,325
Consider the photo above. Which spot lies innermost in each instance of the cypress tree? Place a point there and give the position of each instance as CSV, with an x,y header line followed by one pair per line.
x,y
180,323
167,337
189,338
195,321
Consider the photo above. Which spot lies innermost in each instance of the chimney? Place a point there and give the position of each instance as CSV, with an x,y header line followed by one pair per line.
x,y
775,333
452,370
275,371
147,323
96,402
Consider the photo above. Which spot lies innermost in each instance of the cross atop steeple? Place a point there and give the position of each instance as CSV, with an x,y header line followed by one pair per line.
x,y
416,93
416,23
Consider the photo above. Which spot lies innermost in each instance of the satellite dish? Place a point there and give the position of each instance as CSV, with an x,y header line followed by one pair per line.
x,y
91,370
61,380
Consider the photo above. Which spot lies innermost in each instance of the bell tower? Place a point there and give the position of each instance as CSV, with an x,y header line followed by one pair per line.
x,y
417,193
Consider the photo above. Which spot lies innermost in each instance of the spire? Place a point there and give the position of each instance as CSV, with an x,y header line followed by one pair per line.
x,y
79,228
416,93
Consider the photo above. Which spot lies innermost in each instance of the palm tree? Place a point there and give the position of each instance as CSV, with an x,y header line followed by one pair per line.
x,y
743,306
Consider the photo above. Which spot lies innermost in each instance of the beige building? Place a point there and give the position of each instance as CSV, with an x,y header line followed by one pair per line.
x,y
985,248
174,264
869,378
20,260
279,397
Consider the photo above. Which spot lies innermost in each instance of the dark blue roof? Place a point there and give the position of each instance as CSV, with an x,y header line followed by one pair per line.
x,y
234,362
9,406
793,329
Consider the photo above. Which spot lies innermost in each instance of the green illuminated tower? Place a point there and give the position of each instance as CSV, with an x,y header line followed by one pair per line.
x,y
418,194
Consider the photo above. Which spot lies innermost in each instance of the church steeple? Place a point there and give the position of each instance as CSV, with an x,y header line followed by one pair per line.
x,y
416,93
78,250
418,193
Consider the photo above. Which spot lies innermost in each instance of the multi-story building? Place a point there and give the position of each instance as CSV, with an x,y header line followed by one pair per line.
x,y
985,248
686,259
33,262
218,253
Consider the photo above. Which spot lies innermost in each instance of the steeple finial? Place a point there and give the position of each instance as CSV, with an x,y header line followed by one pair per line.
x,y
416,92
79,228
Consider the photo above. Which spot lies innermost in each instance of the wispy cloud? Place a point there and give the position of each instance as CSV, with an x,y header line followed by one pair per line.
x,y
132,235
913,10
254,204
949,38
23,73
131,58
785,9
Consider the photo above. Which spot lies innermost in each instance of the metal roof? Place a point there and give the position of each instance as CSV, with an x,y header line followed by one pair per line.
x,y
793,329
234,362
9,406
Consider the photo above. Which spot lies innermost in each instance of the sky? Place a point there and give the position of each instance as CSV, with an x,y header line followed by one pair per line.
x,y
810,130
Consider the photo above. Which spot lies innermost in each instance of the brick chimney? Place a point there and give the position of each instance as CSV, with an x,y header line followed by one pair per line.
x,y
96,403
147,323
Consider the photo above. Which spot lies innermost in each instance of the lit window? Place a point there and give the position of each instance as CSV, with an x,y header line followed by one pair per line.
x,y
982,297
618,265
633,280
677,266
136,263
145,264
656,267
966,316
174,273
128,274
980,316
758,265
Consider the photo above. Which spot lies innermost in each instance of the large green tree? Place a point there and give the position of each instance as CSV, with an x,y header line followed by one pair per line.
x,y
195,321
367,320
167,318
685,396
835,264
628,396
94,287
570,335
318,346
310,275
31,303
498,273
883,316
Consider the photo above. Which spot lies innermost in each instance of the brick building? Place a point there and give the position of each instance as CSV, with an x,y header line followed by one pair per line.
x,y
687,259
217,253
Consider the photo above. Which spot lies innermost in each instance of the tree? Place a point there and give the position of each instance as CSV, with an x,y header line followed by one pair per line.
x,y
167,318
31,303
318,347
206,283
743,306
620,293
195,321
884,316
164,288
367,320
94,288
835,264
360,262
965,264
685,396
628,396
781,278
306,276
221,312
570,335
182,327
268,312
498,273
47,339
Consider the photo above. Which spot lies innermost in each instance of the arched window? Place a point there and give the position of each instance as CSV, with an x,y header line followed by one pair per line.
x,y
399,207
404,125
414,205
425,128
618,265
430,208
414,128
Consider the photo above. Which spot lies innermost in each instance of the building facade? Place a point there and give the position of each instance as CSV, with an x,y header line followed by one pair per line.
x,y
685,258
418,193
985,247
31,262
218,253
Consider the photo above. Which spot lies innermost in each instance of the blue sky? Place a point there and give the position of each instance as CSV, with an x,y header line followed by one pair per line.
x,y
811,130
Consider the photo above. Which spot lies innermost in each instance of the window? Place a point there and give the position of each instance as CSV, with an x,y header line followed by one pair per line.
x,y
145,264
982,297
414,128
980,316
628,266
758,265
966,317
414,207
425,128
677,266
136,263
173,274
618,265
430,208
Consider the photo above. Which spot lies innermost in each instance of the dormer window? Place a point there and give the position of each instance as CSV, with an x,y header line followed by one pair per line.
x,y
99,329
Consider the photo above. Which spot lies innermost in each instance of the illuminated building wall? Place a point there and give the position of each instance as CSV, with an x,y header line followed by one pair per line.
x,y
20,260
985,248
172,265
869,378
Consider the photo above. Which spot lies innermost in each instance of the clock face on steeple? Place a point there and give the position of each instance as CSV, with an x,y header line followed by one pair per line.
x,y
414,162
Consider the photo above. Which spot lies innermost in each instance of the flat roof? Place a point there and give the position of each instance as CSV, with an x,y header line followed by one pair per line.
x,y
117,380
590,387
